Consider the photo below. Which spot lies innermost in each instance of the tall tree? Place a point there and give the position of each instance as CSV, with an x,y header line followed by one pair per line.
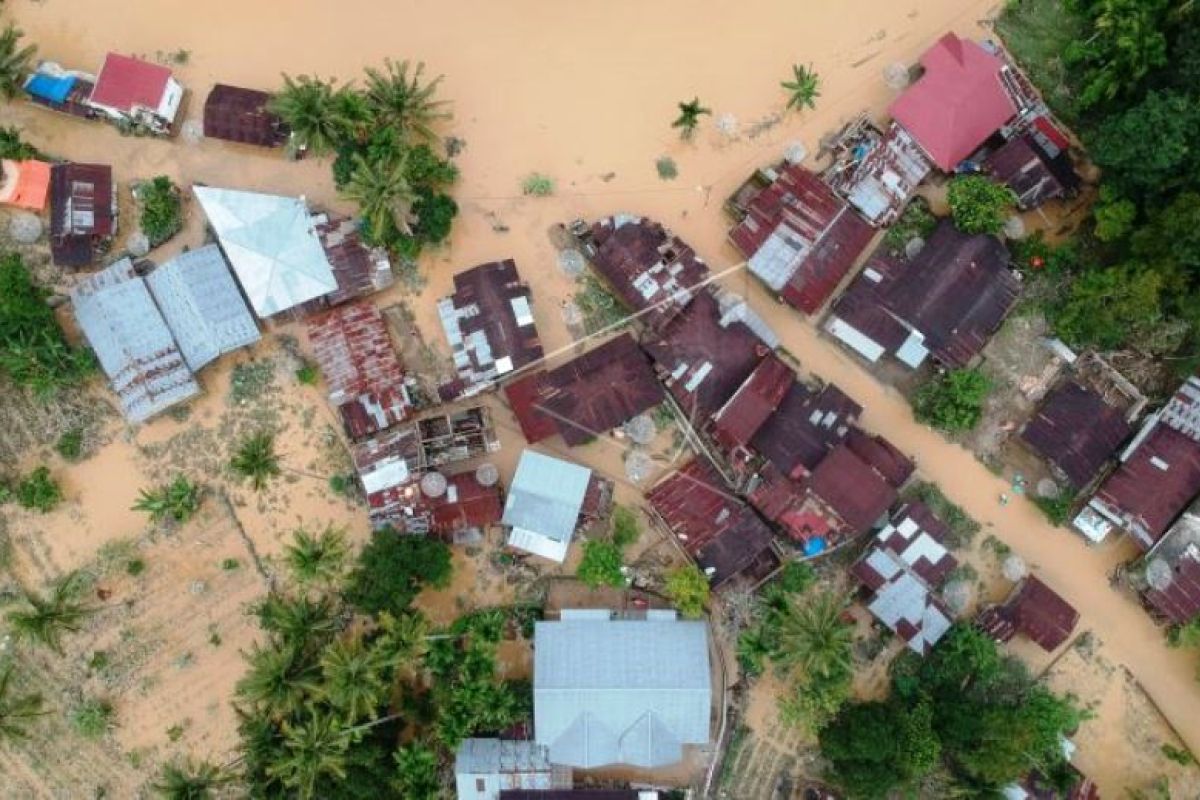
x,y
320,115
353,678
384,196
14,61
16,709
256,459
811,636
803,89
45,619
402,100
191,780
1128,39
313,749
280,680
689,117
317,558
300,622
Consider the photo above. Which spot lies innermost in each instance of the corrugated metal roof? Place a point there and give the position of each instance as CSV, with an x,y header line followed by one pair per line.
x,y
240,115
126,83
546,496
621,691
1076,431
202,305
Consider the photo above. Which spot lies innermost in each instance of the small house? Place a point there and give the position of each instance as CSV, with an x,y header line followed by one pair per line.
x,y
24,184
737,421
805,427
653,271
235,114
135,92
1034,610
1035,167
354,350
877,172
490,327
466,508
621,691
799,237
946,302
1171,582
483,768
83,212
545,504
132,342
1077,431
273,246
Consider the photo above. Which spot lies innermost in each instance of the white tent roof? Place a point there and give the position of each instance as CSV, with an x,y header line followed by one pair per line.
x,y
271,244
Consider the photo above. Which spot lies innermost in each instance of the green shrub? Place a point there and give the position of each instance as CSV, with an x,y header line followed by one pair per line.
x,y
1056,509
979,204
39,492
796,577
625,527
231,564
178,500
162,209
917,221
666,168
953,401
601,564
538,185
135,567
308,374
70,444
688,589
12,146
93,718
393,568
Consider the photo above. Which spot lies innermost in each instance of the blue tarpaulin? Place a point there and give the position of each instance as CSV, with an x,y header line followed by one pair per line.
x,y
50,88
814,546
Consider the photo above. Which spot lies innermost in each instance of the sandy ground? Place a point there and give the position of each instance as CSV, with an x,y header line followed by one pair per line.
x,y
585,94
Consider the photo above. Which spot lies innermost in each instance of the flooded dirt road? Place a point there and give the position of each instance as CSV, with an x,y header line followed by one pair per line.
x,y
585,93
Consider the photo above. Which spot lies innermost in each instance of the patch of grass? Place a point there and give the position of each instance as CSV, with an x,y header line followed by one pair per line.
x,y
135,567
231,564
796,577
1177,754
963,572
1056,509
308,375
92,718
250,380
342,485
537,185
214,636
916,220
600,307
99,661
175,732
962,527
1000,548
625,527
667,170
70,444
39,492
1038,33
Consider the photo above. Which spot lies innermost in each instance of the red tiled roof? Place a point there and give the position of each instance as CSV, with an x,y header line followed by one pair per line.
x,y
753,403
366,381
957,103
1041,614
465,504
1076,431
1154,485
849,486
126,82
1180,601
524,395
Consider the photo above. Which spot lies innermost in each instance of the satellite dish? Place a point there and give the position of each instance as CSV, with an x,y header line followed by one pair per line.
x,y
727,124
641,429
192,131
638,465
957,595
1014,227
433,484
1014,568
1158,574
895,75
25,228
571,314
914,246
795,153
487,475
1048,488
571,262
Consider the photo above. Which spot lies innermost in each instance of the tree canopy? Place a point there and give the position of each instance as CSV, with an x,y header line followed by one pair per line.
x,y
33,350
953,401
393,568
979,204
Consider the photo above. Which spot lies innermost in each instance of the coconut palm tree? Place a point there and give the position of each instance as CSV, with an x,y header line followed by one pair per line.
x,y
399,100
14,61
296,621
178,500
314,748
280,680
417,772
320,115
317,558
383,194
403,641
689,117
812,638
191,780
257,460
46,619
803,89
16,709
353,678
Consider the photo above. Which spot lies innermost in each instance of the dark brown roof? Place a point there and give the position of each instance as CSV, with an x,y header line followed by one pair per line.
x,y
881,455
359,270
805,427
852,489
736,422
790,505
1180,601
240,115
524,395
600,390
701,361
725,536
1041,614
1077,432
1032,173
465,504
863,305
82,211
1153,486
646,265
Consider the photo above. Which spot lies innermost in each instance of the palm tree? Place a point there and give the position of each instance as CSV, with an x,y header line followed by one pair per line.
x,y
320,116
313,749
399,100
812,638
257,460
16,709
47,618
296,621
403,640
689,117
417,772
383,194
280,680
177,500
14,61
804,88
353,674
192,780
317,558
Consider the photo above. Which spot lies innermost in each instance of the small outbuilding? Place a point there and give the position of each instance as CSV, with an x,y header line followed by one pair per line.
x,y
83,212
235,114
544,504
1035,610
486,768
1077,432
129,90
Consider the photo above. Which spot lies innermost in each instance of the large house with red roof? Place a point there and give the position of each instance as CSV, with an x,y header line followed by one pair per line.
x,y
131,91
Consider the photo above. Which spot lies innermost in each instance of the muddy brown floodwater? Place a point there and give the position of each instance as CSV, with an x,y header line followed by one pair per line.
x,y
584,92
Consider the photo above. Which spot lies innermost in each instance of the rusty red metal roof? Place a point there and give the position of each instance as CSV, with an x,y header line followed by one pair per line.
x,y
524,395
125,83
805,427
852,489
354,350
883,456
1077,431
800,237
957,103
1034,175
465,504
736,422
647,265
1040,613
359,270
83,207
235,114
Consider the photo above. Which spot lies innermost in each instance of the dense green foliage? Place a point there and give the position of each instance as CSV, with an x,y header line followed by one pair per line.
x,y
161,209
688,589
979,204
966,706
917,221
393,568
177,500
33,351
952,401
15,61
316,558
14,147
601,564
37,491
256,460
